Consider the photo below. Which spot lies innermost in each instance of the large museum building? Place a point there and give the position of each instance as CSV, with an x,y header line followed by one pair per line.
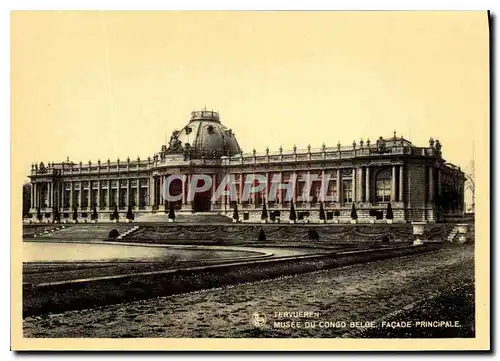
x,y
416,181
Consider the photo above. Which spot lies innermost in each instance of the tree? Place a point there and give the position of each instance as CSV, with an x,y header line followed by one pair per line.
x,y
39,214
57,216
130,214
94,214
354,214
262,235
171,213
235,212
75,214
115,216
313,235
322,215
293,214
264,212
389,214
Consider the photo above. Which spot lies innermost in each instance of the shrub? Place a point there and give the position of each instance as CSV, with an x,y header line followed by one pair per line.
x,y
389,214
114,216
171,212
313,234
322,212
293,215
130,214
94,215
262,235
354,214
57,215
113,234
235,212
263,216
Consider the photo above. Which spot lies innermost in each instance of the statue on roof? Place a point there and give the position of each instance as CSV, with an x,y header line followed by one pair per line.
x,y
174,144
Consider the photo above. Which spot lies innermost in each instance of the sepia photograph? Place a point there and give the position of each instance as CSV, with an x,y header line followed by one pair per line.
x,y
286,179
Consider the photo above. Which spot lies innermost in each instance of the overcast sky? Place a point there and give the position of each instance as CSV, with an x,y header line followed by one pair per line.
x,y
92,85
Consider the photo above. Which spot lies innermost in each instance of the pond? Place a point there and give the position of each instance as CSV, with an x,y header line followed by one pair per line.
x,y
101,252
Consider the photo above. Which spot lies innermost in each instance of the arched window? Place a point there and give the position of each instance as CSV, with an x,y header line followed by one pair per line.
x,y
383,185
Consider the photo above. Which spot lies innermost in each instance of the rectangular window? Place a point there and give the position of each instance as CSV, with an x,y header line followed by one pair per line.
x,y
347,191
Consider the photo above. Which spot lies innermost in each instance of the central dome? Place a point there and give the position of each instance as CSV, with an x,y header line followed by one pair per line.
x,y
205,135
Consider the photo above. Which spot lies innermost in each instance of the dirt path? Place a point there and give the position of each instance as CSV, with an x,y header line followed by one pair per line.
x,y
363,292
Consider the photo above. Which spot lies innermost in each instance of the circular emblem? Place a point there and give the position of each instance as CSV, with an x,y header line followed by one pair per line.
x,y
258,319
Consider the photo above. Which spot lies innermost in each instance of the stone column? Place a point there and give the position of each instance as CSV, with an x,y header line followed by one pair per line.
x,y
322,190
295,182
280,191
138,195
266,195
49,186
109,194
367,185
71,195
162,182
430,196
32,200
128,193
80,203
91,193
240,189
151,191
353,185
98,205
393,187
184,191
401,180
118,191
339,188
214,188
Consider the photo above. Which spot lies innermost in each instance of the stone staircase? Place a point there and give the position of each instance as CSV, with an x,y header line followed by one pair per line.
x,y
87,231
451,236
48,230
455,236
202,217
128,232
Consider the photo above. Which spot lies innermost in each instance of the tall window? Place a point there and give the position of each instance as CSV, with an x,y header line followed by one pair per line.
x,y
347,191
332,190
383,185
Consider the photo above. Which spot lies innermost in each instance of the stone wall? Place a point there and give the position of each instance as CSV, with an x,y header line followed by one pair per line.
x,y
274,232
362,210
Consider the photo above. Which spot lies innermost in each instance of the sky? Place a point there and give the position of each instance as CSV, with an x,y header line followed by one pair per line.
x,y
98,85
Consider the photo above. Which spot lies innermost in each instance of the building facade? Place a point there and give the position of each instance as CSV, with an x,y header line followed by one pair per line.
x,y
416,181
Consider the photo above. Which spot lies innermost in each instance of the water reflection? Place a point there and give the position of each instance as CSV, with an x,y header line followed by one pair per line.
x,y
87,252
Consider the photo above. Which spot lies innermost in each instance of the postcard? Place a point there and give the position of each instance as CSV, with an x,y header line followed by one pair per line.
x,y
251,180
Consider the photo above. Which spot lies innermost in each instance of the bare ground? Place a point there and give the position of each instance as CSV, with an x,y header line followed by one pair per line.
x,y
363,292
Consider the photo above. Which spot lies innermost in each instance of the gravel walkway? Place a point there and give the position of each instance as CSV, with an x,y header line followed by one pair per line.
x,y
358,293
